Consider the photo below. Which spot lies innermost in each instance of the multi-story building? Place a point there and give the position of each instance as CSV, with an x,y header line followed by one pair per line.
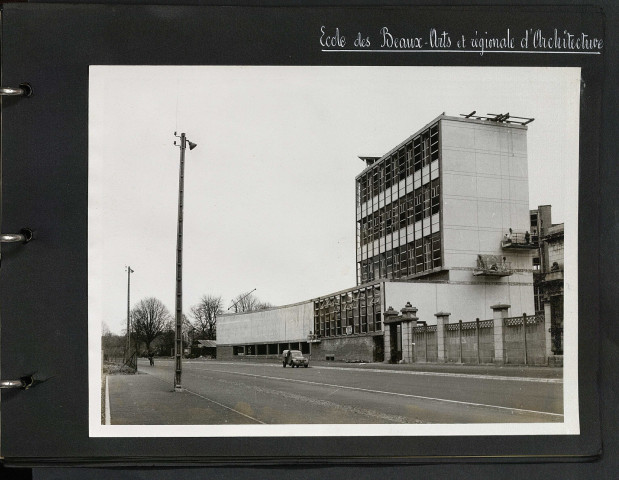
x,y
548,265
442,222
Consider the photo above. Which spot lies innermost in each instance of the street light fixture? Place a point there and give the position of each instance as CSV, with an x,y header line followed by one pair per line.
x,y
178,343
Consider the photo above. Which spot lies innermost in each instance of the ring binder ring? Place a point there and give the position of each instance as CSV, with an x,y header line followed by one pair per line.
x,y
24,90
23,383
24,236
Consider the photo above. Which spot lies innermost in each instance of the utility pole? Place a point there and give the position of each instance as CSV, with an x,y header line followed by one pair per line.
x,y
178,343
128,348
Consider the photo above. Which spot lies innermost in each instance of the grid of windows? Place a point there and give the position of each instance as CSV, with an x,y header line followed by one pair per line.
x,y
408,159
352,312
419,256
421,203
400,215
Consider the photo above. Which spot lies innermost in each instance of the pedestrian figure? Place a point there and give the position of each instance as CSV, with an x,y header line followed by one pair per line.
x,y
151,358
527,237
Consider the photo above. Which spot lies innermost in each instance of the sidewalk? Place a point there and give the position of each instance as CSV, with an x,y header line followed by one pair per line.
x,y
143,399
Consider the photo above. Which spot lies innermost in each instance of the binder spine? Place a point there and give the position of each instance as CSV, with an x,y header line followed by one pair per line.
x,y
24,236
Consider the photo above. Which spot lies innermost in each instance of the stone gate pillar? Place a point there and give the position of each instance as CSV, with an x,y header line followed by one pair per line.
x,y
499,312
388,318
409,321
442,319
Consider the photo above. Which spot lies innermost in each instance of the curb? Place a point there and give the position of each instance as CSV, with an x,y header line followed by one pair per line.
x,y
108,415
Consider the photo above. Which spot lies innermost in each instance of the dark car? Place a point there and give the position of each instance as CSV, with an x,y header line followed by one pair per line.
x,y
294,358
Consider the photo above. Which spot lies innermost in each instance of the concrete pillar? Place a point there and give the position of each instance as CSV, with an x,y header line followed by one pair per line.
x,y
409,321
499,312
407,342
548,328
388,317
442,319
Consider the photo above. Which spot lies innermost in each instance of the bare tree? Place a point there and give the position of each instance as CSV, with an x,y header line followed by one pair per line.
x,y
205,315
248,302
113,345
150,318
105,330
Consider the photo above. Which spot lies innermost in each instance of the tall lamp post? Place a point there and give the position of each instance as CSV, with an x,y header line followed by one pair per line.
x,y
128,348
178,342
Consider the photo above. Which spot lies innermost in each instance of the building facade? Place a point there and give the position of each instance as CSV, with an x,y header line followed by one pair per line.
x,y
442,221
548,266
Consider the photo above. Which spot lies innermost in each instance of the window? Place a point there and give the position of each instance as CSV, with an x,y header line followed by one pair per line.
x,y
375,189
381,178
383,265
401,164
409,160
355,309
418,256
436,250
417,154
426,201
364,188
425,149
536,263
403,261
411,258
434,143
402,212
435,193
538,299
418,208
363,309
427,253
388,173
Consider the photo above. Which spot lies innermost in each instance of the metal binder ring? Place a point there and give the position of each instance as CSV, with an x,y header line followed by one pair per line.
x,y
23,382
24,236
24,89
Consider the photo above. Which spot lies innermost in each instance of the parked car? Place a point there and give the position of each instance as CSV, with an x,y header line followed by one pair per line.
x,y
294,358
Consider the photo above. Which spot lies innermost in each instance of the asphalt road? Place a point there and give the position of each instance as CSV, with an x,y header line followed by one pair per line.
x,y
248,393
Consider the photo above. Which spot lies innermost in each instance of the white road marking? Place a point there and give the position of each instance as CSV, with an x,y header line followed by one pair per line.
x,y
407,395
213,401
224,406
410,372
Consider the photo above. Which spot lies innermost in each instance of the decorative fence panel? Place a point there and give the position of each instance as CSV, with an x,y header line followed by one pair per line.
x,y
486,341
536,341
452,342
523,339
425,344
469,342
513,344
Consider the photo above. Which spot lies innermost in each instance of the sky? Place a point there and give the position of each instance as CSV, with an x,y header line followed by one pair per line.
x,y
270,189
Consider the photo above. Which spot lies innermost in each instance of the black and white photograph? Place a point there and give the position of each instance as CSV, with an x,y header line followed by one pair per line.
x,y
333,251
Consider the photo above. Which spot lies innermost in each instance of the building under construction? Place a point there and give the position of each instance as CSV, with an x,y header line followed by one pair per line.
x,y
442,222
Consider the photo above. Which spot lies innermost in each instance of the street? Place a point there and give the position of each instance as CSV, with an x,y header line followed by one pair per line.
x,y
220,392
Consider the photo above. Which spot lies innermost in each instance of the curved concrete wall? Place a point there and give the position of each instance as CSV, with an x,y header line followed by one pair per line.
x,y
291,323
